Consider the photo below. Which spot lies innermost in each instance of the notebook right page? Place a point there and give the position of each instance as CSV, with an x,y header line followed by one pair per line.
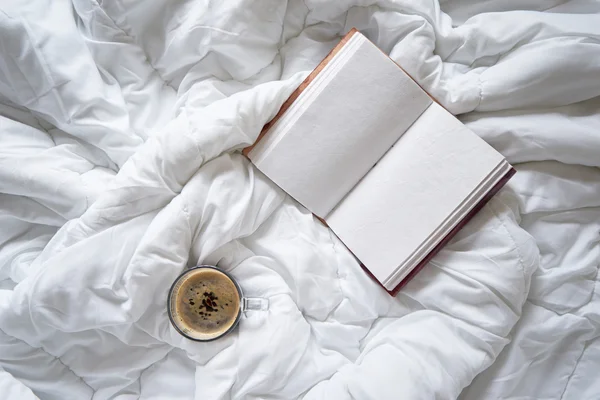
x,y
417,184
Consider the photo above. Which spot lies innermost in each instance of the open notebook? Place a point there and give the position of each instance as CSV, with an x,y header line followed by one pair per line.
x,y
389,170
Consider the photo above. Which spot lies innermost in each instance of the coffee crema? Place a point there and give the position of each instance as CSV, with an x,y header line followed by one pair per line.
x,y
205,303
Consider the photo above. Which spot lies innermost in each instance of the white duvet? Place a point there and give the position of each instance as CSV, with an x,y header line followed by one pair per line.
x,y
120,125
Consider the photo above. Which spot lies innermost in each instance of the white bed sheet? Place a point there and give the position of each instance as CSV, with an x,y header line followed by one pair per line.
x,y
119,125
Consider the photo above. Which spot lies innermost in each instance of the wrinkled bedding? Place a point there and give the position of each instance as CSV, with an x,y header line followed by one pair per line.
x,y
120,129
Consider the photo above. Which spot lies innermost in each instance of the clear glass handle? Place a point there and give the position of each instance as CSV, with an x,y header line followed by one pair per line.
x,y
255,304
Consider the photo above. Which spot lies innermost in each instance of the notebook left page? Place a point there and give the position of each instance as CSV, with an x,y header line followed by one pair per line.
x,y
340,126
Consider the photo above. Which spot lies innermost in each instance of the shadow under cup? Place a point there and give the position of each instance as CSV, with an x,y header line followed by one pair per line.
x,y
204,303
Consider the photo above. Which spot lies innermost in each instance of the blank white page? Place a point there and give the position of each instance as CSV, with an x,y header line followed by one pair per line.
x,y
341,130
419,183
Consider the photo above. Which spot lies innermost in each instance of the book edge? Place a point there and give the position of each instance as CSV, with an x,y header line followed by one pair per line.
x,y
290,100
283,125
473,199
484,200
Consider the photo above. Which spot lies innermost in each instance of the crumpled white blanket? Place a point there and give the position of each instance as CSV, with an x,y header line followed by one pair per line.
x,y
120,123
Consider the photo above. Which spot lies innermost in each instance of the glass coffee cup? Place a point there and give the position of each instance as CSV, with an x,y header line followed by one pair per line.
x,y
206,303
